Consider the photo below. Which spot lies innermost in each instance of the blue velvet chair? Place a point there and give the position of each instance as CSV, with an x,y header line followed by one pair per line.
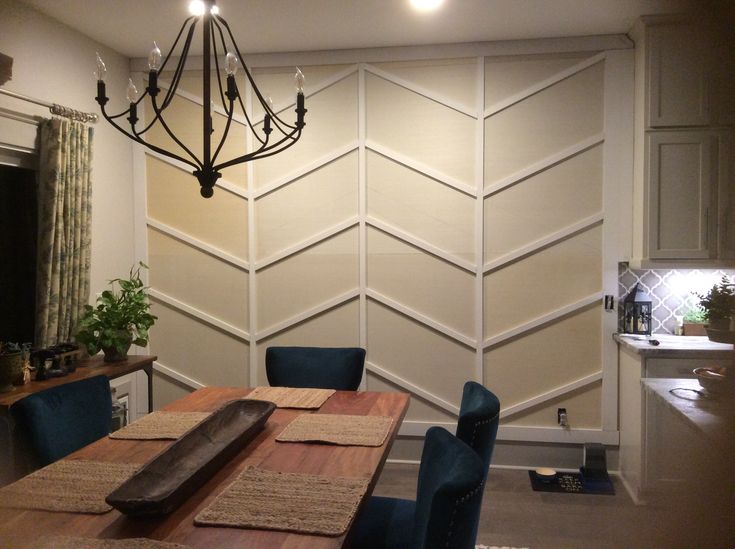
x,y
60,420
447,507
315,367
479,415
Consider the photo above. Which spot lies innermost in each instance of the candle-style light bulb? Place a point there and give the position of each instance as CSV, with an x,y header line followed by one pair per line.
x,y
132,93
154,58
101,70
214,10
299,80
231,64
269,102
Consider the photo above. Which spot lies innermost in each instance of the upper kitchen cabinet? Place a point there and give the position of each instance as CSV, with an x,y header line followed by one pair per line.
x,y
677,75
683,202
680,194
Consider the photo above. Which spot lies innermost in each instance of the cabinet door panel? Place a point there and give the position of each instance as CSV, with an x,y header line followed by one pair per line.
x,y
726,195
677,76
679,176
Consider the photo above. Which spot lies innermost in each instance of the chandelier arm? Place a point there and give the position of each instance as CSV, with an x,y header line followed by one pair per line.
x,y
134,136
247,119
178,37
261,99
179,68
278,122
268,150
213,23
159,117
224,134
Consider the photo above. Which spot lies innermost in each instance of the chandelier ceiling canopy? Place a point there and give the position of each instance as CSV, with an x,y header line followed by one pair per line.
x,y
274,134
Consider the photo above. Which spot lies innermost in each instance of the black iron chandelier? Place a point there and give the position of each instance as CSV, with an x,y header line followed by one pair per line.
x,y
218,40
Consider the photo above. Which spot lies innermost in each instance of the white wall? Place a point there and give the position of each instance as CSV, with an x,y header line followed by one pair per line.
x,y
54,63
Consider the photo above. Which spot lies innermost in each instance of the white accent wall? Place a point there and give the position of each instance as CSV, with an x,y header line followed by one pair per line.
x,y
459,216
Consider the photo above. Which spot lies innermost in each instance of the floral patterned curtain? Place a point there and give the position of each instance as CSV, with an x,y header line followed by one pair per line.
x,y
64,228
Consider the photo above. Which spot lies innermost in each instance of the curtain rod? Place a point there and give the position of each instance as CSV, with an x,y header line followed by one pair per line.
x,y
56,109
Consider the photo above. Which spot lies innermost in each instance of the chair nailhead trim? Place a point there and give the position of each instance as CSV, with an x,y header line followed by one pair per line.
x,y
477,424
469,495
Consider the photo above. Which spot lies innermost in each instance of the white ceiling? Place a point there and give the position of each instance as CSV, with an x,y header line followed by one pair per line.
x,y
129,26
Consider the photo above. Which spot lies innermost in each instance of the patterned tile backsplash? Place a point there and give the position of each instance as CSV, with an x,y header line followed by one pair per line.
x,y
671,290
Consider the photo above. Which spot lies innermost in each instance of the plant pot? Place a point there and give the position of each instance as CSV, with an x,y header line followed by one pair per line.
x,y
11,368
694,329
113,355
720,324
720,336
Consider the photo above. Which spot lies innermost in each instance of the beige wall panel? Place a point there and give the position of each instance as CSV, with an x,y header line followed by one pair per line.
x,y
194,349
543,204
338,327
543,282
418,409
506,76
278,83
331,123
417,354
543,360
167,390
308,279
557,117
198,279
184,119
421,129
174,199
452,78
420,206
584,410
420,281
307,206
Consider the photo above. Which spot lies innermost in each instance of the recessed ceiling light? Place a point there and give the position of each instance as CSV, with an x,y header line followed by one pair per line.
x,y
426,5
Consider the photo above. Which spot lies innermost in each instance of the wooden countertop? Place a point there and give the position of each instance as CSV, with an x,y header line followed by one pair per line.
x,y
87,367
671,346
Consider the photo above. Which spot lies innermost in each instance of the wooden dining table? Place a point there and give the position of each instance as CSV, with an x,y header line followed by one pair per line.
x,y
20,527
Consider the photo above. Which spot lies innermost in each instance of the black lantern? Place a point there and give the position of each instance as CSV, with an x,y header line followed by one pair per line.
x,y
637,307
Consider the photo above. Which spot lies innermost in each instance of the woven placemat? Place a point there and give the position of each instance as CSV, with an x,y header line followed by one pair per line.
x,y
73,542
294,502
290,397
338,429
160,426
70,485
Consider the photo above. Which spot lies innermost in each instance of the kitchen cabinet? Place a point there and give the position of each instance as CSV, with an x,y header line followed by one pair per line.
x,y
683,169
689,462
677,73
675,357
726,194
680,179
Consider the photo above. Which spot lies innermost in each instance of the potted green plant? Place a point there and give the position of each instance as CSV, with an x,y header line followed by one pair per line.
x,y
119,319
719,306
11,364
693,322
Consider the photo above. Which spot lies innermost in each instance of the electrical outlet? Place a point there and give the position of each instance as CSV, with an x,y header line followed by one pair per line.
x,y
561,417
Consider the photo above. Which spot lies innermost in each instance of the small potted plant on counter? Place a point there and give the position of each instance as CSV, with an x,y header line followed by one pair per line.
x,y
120,318
693,322
719,306
12,358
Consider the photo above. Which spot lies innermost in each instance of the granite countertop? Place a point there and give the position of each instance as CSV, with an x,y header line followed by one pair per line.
x,y
671,346
713,416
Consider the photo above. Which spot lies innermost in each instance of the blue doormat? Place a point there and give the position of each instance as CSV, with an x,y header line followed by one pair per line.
x,y
573,483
